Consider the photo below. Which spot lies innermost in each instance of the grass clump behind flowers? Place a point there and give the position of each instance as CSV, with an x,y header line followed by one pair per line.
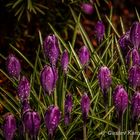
x,y
75,93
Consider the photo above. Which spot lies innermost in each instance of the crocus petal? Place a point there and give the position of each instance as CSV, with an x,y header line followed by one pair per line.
x,y
135,106
134,76
51,49
135,34
23,89
9,127
133,58
85,106
87,8
104,77
84,55
99,30
52,118
31,121
13,66
65,61
124,43
120,98
48,78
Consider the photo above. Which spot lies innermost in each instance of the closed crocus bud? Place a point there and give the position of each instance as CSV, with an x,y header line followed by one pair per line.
x,y
124,43
87,8
52,118
135,34
23,89
85,106
99,30
104,77
31,121
65,61
13,66
135,108
120,98
68,109
84,55
133,58
9,126
51,49
134,76
48,79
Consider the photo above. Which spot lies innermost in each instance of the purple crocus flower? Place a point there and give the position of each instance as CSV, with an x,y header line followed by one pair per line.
x,y
51,49
85,106
135,108
48,78
124,42
68,109
120,98
133,58
134,76
23,89
104,77
135,34
9,126
13,66
65,61
52,118
99,30
87,8
84,55
31,121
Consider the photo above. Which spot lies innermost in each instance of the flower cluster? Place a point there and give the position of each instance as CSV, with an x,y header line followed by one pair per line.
x,y
31,119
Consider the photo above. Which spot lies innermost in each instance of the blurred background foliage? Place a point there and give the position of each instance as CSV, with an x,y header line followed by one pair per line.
x,y
21,19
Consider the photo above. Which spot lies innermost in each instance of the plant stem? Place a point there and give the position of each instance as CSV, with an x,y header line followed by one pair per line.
x,y
55,98
118,138
120,129
105,101
84,132
26,136
122,126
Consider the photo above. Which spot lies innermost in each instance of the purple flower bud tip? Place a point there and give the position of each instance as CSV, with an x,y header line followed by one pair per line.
x,y
84,55
124,42
99,30
52,118
87,8
68,108
31,121
23,89
13,66
85,106
48,79
133,58
104,77
51,49
135,34
134,76
120,98
65,61
9,127
135,106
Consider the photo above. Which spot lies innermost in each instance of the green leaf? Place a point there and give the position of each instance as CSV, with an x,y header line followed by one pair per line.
x,y
17,3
